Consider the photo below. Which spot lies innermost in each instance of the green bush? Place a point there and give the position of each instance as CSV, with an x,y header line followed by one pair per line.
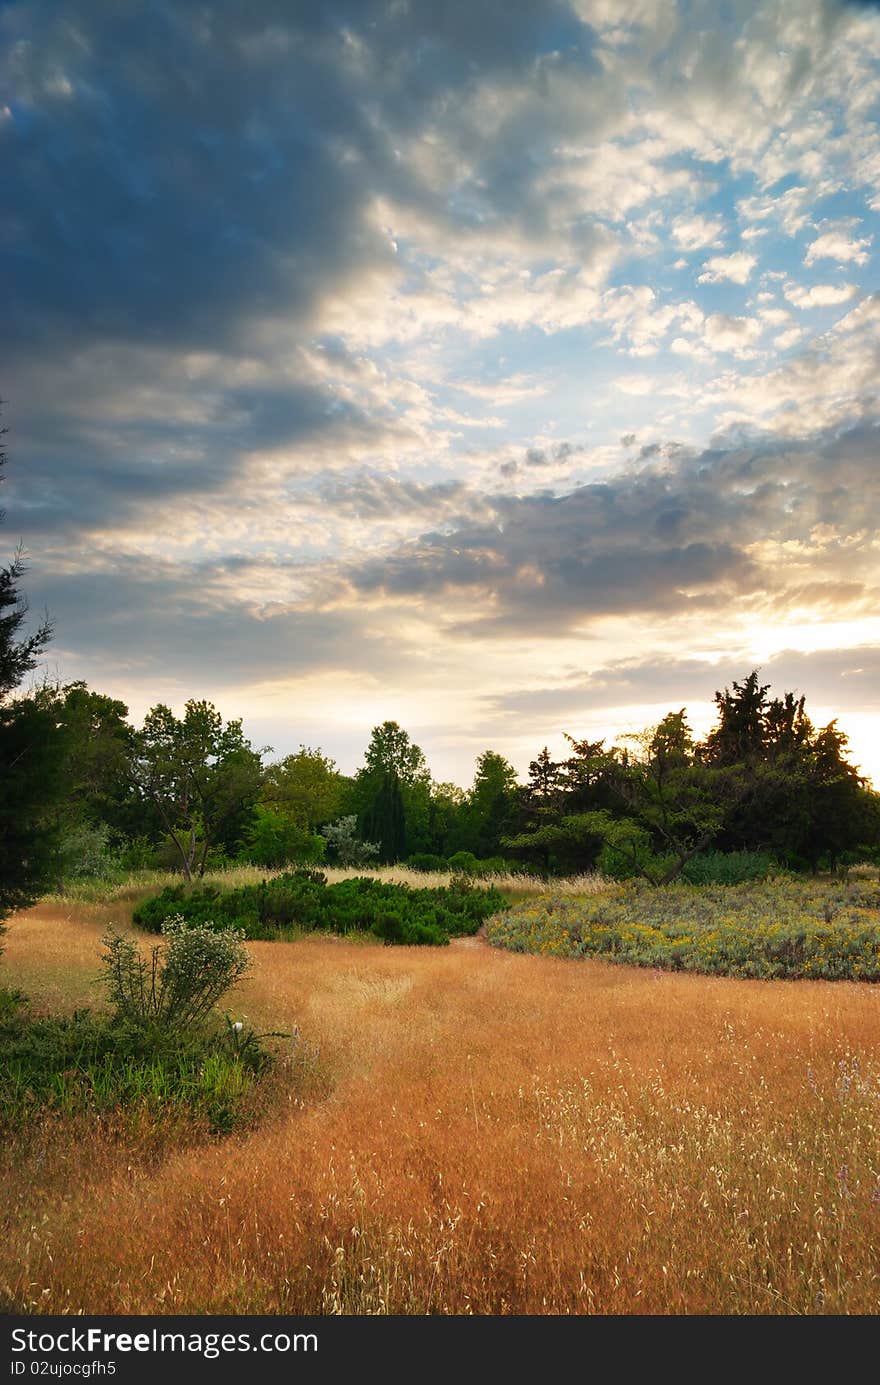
x,y
464,861
271,839
162,1044
139,854
177,986
426,861
303,901
729,867
97,1063
85,853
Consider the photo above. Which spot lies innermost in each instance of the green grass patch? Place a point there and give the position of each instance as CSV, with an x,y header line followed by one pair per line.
x,y
303,901
820,929
95,1063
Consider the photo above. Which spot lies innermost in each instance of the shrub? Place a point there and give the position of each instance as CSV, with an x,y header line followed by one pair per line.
x,y
87,1062
302,900
178,985
139,854
464,862
729,867
344,844
784,928
85,853
160,1048
426,861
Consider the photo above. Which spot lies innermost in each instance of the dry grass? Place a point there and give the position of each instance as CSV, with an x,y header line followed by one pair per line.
x,y
140,882
502,1134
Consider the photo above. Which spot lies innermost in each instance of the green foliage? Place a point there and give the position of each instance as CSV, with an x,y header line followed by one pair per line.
x,y
31,753
31,786
466,863
383,819
729,867
85,853
139,854
463,861
303,901
201,778
178,985
489,812
306,788
271,838
92,1063
391,751
344,844
392,794
780,928
627,852
426,861
19,653
97,748
569,844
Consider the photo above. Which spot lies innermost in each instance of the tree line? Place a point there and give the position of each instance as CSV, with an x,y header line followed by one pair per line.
x,y
84,792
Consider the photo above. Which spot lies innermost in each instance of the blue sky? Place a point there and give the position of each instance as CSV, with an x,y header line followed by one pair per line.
x,y
504,369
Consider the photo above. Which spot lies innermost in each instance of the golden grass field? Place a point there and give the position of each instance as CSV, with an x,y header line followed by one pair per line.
x,y
480,1132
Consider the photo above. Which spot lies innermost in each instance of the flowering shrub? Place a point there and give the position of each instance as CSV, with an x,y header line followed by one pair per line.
x,y
774,928
178,985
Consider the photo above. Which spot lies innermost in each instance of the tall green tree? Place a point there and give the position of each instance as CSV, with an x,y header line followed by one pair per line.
x,y
740,735
394,764
791,789
590,775
446,810
391,751
31,752
546,779
384,820
666,792
201,777
98,745
492,806
305,787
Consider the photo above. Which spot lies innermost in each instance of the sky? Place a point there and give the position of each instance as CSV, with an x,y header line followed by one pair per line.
x,y
505,368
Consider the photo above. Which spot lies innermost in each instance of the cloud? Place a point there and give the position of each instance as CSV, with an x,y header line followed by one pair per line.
x,y
276,273
735,268
841,678
789,210
722,332
819,295
696,232
837,245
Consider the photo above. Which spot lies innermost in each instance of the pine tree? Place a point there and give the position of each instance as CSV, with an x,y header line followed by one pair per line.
x,y
31,754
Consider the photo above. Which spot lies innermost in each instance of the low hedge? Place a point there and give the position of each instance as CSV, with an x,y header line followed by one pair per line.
x,y
302,901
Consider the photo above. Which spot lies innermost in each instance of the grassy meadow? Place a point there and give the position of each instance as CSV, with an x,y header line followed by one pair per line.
x,y
466,1130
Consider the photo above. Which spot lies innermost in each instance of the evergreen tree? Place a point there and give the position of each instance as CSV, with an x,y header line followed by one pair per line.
x,y
394,765
545,782
384,820
491,809
31,754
